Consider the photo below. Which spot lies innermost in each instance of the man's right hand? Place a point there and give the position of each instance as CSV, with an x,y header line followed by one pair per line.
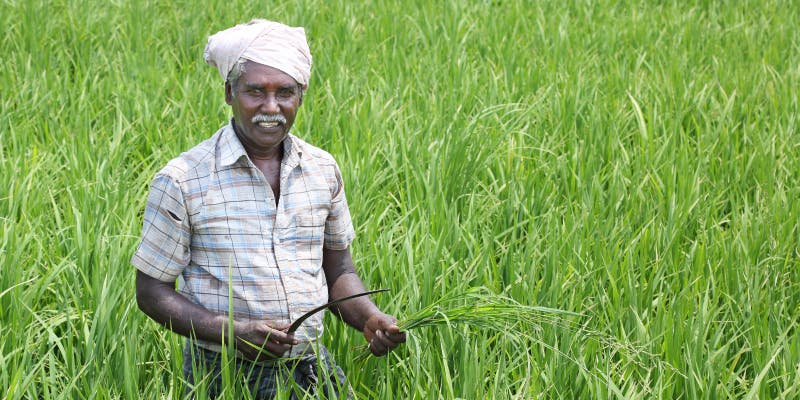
x,y
163,304
261,341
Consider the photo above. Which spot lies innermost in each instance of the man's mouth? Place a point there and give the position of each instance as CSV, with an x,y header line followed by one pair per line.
x,y
268,121
267,124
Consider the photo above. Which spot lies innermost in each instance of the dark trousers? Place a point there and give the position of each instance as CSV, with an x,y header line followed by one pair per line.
x,y
315,375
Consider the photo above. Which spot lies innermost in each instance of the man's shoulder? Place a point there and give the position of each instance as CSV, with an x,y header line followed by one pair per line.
x,y
193,163
313,153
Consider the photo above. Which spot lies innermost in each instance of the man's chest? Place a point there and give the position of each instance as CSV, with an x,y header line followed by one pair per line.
x,y
234,212
271,173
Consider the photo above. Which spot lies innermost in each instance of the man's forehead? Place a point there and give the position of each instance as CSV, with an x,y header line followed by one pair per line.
x,y
260,74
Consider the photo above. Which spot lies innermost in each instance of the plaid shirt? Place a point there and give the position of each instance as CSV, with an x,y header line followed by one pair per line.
x,y
211,223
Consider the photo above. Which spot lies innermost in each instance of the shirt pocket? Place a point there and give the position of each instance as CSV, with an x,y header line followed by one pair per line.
x,y
228,233
310,231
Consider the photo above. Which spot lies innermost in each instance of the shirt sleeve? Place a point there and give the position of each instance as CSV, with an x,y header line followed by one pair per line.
x,y
164,252
339,232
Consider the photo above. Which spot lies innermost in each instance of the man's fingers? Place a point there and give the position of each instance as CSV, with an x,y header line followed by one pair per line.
x,y
381,343
392,336
398,337
263,340
279,327
377,348
274,334
277,349
383,334
269,350
280,337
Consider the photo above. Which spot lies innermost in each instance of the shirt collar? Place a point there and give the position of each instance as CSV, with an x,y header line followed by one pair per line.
x,y
292,153
230,149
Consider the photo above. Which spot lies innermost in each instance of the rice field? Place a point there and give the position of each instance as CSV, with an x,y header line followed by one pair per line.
x,y
593,200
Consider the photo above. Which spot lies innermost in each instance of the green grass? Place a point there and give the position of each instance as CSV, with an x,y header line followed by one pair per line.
x,y
636,163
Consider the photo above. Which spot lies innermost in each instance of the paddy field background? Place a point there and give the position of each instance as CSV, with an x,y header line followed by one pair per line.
x,y
636,163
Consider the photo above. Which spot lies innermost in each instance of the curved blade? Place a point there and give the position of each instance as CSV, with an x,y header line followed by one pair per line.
x,y
296,324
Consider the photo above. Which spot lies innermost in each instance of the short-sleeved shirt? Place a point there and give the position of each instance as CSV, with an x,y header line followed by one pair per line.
x,y
212,223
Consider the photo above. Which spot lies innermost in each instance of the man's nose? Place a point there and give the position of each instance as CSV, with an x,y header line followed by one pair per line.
x,y
270,105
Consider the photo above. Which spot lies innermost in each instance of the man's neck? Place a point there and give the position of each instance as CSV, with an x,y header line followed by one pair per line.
x,y
271,155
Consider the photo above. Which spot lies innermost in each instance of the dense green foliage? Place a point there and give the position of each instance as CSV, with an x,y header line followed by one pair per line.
x,y
635,162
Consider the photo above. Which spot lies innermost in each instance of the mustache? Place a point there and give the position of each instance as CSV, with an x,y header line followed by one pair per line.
x,y
269,118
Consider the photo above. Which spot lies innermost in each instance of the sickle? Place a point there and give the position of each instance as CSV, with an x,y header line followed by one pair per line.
x,y
296,324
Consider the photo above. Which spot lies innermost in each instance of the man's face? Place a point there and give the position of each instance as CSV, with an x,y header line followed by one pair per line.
x,y
264,104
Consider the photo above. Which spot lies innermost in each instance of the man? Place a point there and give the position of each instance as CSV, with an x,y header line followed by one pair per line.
x,y
253,224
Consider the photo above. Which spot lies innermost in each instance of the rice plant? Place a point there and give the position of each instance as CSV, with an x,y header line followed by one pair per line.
x,y
629,167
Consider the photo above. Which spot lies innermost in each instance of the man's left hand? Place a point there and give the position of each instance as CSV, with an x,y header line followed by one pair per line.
x,y
383,334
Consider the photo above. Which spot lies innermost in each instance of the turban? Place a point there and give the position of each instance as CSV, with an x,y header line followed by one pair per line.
x,y
269,43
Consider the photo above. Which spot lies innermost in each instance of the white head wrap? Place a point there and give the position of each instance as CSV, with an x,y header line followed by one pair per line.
x,y
265,42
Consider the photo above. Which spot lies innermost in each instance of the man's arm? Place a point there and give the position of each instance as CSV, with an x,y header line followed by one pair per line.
x,y
380,330
163,304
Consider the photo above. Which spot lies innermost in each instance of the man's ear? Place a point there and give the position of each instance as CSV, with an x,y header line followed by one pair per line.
x,y
228,93
302,92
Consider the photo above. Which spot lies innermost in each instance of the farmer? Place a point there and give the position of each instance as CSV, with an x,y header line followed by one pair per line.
x,y
253,224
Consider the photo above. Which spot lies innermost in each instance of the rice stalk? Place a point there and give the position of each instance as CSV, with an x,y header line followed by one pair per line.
x,y
521,324
480,308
